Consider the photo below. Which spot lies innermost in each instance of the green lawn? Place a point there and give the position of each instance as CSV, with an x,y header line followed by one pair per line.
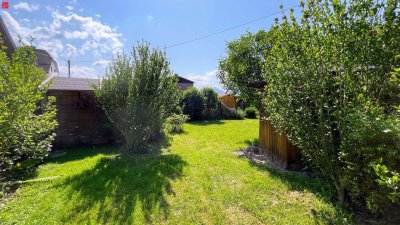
x,y
198,180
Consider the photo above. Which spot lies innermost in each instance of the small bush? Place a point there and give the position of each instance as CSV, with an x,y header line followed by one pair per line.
x,y
174,123
235,115
251,112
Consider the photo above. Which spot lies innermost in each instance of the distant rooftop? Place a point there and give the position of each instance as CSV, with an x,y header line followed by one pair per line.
x,y
45,61
6,38
184,80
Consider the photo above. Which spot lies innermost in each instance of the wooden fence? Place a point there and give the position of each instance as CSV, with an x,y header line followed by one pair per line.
x,y
277,146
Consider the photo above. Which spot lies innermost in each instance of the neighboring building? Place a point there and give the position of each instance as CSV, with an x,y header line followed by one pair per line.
x,y
6,39
228,102
46,62
43,59
184,83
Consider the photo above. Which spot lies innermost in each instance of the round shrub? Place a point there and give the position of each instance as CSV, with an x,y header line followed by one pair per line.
x,y
235,115
251,112
174,123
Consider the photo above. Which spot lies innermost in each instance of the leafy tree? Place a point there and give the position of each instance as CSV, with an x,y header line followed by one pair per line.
x,y
26,127
193,104
138,93
326,75
211,102
244,65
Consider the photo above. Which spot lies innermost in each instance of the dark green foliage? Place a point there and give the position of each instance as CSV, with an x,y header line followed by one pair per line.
x,y
332,83
174,123
138,93
193,104
327,78
26,127
211,102
234,115
251,112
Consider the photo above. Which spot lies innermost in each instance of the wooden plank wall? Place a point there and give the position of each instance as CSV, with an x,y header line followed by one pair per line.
x,y
277,146
229,101
78,124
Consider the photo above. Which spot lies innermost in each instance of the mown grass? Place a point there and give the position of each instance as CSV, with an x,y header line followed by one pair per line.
x,y
196,180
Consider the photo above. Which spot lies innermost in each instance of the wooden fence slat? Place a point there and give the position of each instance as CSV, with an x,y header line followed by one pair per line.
x,y
276,146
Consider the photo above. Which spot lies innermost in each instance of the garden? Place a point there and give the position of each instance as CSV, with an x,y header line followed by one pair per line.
x,y
196,179
330,82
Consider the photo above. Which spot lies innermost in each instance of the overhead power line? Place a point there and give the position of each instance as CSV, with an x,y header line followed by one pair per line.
x,y
211,34
229,29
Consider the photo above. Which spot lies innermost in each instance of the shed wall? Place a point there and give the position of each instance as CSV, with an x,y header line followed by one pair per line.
x,y
80,120
229,101
184,86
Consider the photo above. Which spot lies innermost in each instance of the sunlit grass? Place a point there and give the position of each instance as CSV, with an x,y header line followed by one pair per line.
x,y
195,180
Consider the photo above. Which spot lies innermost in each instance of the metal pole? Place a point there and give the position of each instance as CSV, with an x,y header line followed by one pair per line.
x,y
69,68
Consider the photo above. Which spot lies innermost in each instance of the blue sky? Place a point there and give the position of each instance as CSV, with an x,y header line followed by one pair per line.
x,y
89,32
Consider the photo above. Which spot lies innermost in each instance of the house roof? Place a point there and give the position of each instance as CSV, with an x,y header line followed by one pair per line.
x,y
71,84
223,95
77,84
184,80
45,61
6,38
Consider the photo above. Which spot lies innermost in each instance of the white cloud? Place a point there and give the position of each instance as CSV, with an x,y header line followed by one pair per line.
x,y
70,8
98,37
69,36
97,31
79,71
208,79
102,63
149,17
70,50
76,34
204,80
26,6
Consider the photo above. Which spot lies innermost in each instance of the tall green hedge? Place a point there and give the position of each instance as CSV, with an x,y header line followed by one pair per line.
x,y
27,119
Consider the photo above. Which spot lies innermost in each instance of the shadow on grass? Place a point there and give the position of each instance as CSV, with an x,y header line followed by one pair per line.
x,y
81,152
318,186
124,189
207,122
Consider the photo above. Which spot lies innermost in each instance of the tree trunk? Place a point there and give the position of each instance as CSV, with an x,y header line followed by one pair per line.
x,y
340,189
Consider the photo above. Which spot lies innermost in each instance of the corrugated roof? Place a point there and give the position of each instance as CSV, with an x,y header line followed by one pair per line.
x,y
71,84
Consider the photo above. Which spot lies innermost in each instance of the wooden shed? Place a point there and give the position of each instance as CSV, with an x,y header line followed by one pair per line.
x,y
228,102
81,121
274,144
